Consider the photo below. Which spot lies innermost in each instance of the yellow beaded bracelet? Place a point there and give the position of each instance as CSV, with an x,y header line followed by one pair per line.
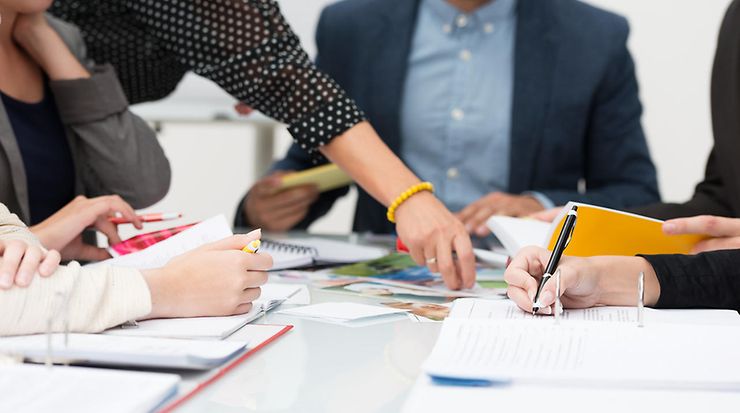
x,y
424,186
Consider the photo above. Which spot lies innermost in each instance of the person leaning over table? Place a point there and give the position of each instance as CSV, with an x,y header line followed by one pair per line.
x,y
714,208
504,105
250,51
214,280
65,130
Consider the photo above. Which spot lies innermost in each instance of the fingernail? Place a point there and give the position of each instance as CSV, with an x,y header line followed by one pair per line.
x,y
24,279
468,228
256,233
5,281
545,310
547,298
669,227
531,295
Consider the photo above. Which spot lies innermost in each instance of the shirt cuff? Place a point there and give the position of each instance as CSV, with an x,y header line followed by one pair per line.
x,y
90,99
318,128
541,198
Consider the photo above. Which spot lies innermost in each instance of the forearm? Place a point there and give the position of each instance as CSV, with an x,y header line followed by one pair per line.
x,y
362,154
96,299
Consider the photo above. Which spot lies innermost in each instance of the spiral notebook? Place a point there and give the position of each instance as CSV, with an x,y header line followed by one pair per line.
x,y
304,252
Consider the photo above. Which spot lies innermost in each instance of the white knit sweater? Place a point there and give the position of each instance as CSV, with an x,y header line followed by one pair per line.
x,y
89,299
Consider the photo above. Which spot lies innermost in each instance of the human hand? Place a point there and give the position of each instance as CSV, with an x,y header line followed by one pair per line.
x,y
723,233
547,215
34,34
217,279
243,109
62,231
431,234
20,261
278,211
475,215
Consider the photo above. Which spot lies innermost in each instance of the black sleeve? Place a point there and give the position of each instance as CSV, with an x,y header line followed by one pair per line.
x,y
708,280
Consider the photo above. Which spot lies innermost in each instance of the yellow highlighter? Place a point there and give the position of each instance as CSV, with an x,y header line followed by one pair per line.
x,y
252,247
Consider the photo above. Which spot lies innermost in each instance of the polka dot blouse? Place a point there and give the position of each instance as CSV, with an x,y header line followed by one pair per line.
x,y
245,46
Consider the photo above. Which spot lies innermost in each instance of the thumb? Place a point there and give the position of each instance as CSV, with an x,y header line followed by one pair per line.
x,y
550,289
234,242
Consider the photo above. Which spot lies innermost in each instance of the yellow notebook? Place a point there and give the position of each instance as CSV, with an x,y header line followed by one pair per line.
x,y
325,177
603,231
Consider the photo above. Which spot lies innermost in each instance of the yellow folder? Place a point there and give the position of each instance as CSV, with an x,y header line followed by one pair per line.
x,y
325,177
603,231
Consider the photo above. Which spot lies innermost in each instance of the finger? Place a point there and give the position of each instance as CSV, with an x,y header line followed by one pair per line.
x,y
479,219
108,229
518,278
468,211
92,253
255,262
520,297
547,215
704,225
28,267
250,295
268,184
446,265
465,260
716,244
116,204
294,195
242,309
234,242
50,263
12,257
284,212
430,258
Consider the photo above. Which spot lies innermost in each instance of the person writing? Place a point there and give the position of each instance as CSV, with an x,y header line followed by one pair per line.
x,y
253,54
473,101
216,279
65,130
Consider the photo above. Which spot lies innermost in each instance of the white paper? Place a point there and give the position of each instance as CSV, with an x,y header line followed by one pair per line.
x,y
341,312
657,356
125,351
331,251
517,233
508,310
159,254
33,388
217,328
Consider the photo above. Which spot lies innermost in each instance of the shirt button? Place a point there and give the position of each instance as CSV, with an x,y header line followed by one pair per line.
x,y
447,28
461,21
452,173
465,55
488,27
457,114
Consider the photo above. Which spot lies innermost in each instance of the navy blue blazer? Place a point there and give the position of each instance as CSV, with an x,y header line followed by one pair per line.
x,y
575,116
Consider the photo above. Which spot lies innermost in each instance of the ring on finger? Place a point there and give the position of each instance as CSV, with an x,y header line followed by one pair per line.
x,y
431,261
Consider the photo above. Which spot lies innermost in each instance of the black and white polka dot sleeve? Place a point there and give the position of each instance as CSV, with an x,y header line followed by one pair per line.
x,y
248,49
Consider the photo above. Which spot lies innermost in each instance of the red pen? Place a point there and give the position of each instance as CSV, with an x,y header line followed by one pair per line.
x,y
155,217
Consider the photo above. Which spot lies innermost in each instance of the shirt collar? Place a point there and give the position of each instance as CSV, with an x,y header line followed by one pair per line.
x,y
495,10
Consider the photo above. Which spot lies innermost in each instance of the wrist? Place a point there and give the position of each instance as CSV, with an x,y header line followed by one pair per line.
x,y
160,306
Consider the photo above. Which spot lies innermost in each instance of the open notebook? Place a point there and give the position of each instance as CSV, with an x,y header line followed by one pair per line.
x,y
32,388
302,252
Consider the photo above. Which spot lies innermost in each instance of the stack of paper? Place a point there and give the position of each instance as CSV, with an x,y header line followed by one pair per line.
x,y
479,351
29,388
342,312
100,349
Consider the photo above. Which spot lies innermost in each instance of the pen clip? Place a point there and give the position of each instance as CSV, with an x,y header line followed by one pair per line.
x,y
570,235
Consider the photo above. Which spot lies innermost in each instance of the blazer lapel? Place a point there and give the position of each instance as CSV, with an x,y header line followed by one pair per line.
x,y
387,64
534,68
15,164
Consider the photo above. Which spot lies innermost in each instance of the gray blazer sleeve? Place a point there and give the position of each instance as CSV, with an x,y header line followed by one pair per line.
x,y
116,151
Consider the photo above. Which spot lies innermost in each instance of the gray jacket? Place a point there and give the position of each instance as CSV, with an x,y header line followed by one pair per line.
x,y
114,151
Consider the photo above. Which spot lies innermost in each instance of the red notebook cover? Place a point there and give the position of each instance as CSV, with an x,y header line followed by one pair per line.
x,y
179,401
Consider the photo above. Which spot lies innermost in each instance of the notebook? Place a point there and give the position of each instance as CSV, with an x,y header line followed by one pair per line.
x,y
101,349
303,252
599,231
325,177
33,388
215,328
668,356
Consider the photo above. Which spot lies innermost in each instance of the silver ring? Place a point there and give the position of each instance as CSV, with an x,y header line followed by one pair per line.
x,y
431,261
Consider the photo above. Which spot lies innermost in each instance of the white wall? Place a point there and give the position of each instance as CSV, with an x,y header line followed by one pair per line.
x,y
672,42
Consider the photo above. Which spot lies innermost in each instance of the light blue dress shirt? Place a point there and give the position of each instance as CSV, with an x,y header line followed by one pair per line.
x,y
456,110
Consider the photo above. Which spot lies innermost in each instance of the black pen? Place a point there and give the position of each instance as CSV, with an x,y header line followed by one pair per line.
x,y
563,239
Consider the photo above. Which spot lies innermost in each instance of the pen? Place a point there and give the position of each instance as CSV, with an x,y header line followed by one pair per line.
x,y
252,247
156,217
563,239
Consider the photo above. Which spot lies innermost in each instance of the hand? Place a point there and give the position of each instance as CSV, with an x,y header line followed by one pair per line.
x,y
278,211
20,261
243,109
547,215
62,231
217,279
584,282
432,233
475,215
33,33
723,233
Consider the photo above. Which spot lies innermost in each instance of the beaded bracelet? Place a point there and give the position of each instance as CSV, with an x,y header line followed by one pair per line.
x,y
424,186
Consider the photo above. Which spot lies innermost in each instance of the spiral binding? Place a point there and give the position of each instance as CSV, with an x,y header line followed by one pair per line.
x,y
288,248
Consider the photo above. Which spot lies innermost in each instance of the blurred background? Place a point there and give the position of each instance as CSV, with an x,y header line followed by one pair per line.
x,y
217,155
